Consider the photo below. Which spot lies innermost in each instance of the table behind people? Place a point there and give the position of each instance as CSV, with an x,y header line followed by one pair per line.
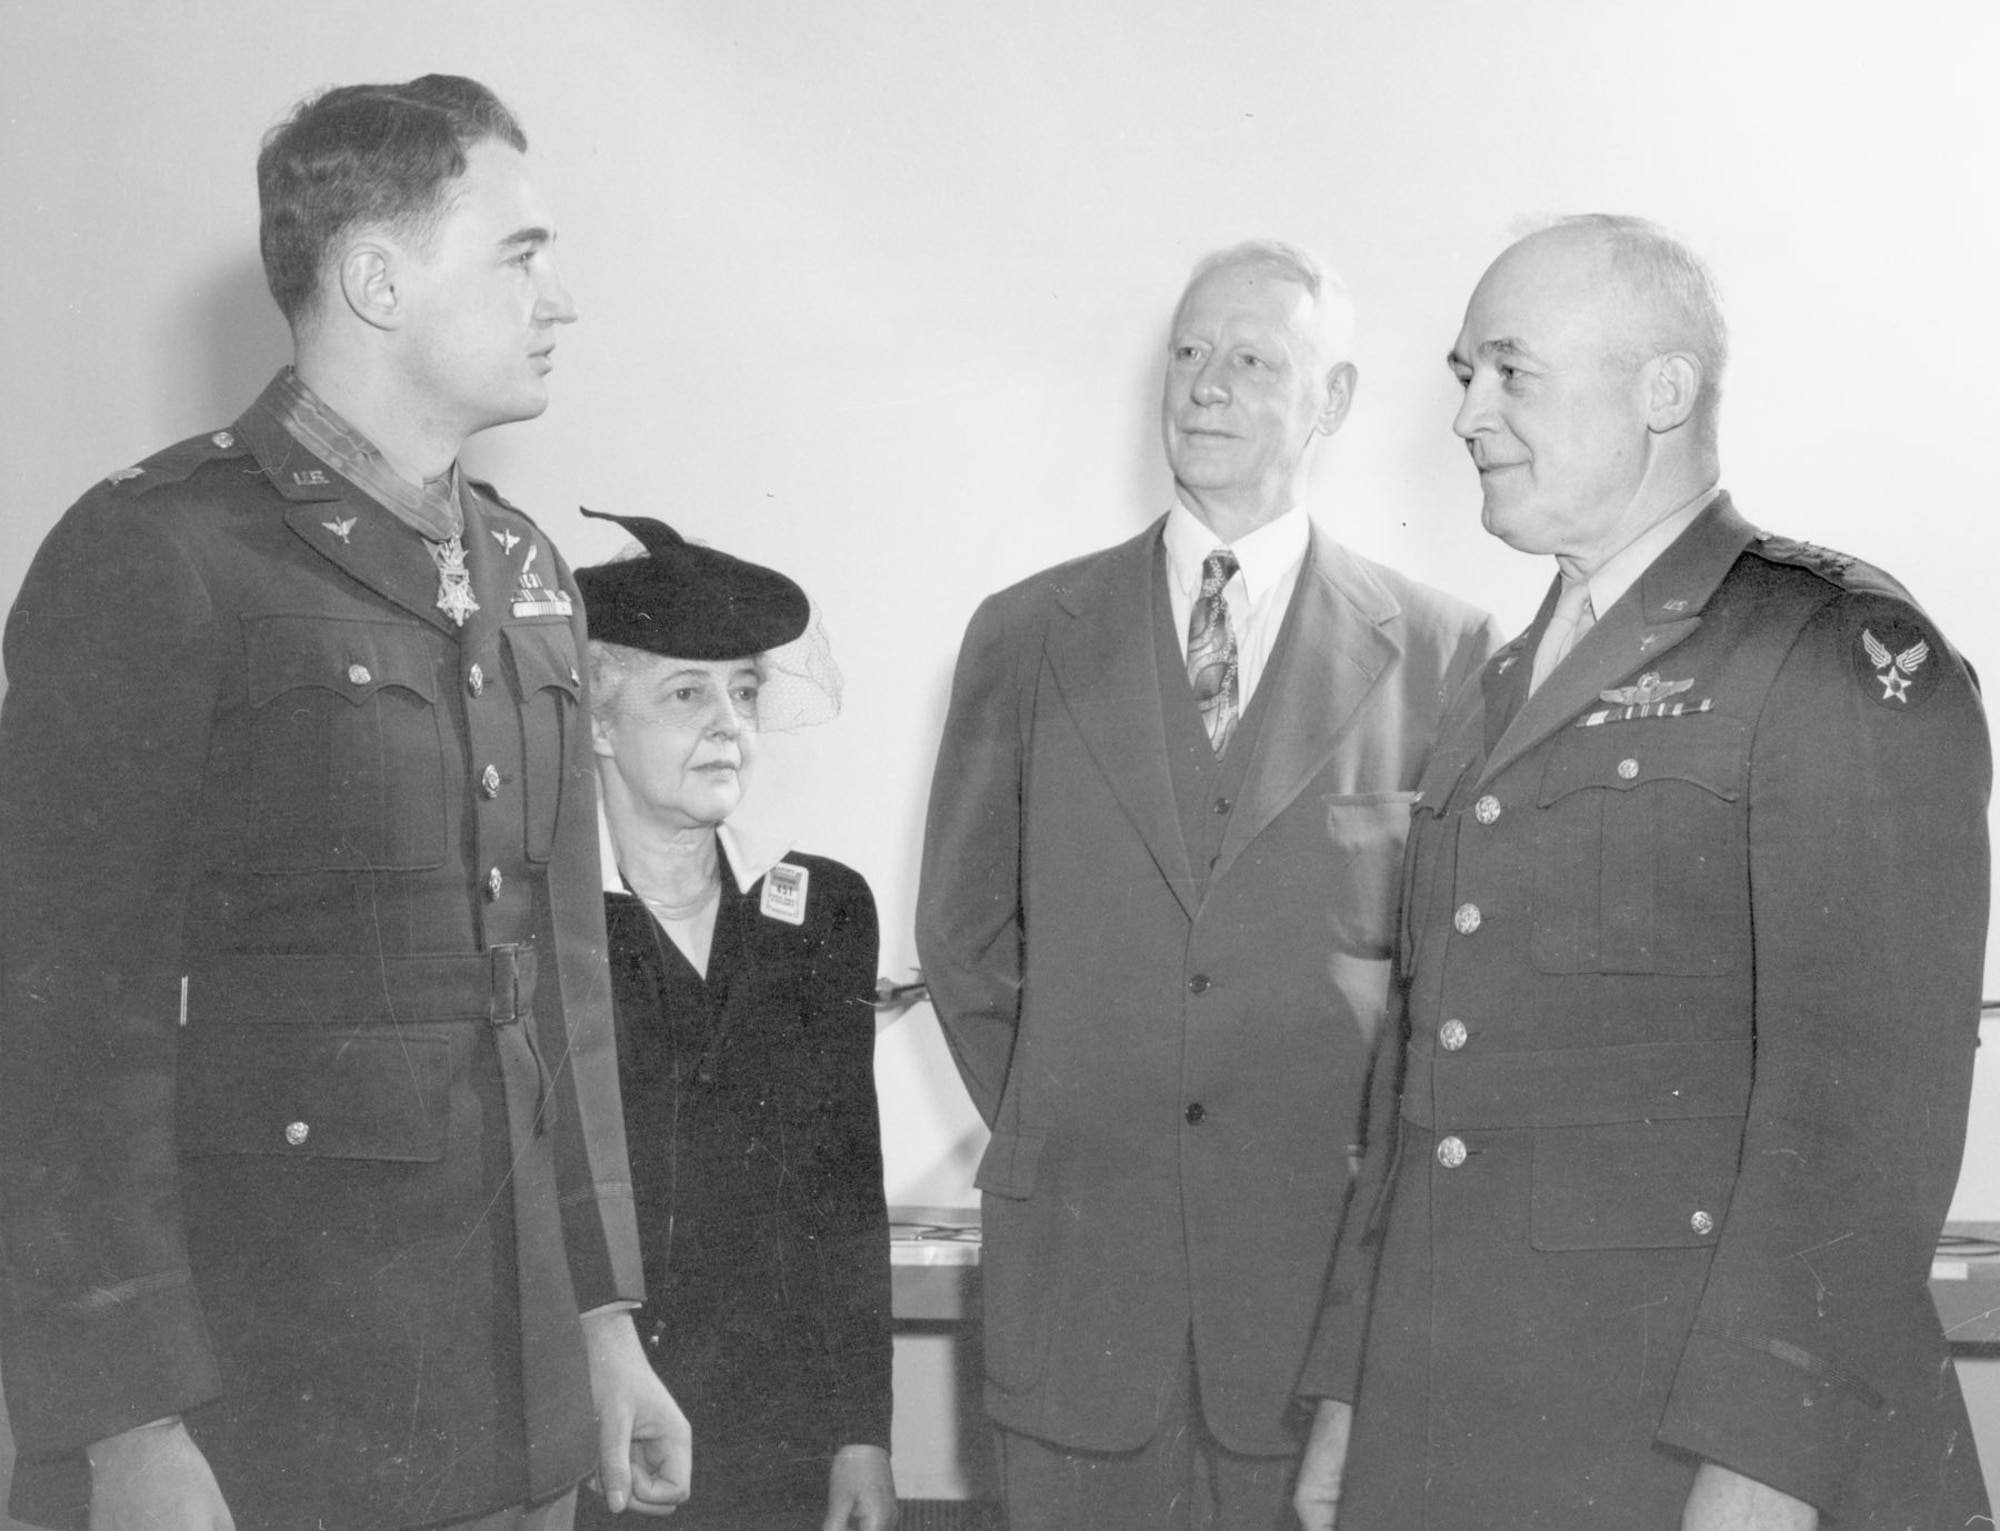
x,y
1155,917
1696,904
743,979
310,1149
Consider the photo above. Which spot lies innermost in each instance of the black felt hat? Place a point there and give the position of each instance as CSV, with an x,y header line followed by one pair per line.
x,y
687,601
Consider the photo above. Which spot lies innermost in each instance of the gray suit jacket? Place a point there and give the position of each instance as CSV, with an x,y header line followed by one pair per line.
x,y
1174,1076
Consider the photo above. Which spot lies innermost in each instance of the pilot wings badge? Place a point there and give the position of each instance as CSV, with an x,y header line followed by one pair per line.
x,y
1896,672
1648,697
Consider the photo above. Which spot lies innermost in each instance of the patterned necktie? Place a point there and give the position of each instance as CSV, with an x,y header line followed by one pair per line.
x,y
1211,650
1571,619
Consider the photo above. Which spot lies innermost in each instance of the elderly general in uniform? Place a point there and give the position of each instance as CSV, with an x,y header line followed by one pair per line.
x,y
1155,916
315,1191
1695,904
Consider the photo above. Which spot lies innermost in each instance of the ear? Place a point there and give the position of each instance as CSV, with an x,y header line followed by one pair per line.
x,y
368,285
600,738
1672,391
1340,385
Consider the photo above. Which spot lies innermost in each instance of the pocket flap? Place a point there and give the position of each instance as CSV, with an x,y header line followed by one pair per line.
x,y
349,658
544,656
1009,1166
1707,749
1634,1185
313,1095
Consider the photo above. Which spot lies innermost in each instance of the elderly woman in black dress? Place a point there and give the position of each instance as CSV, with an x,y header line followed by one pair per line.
x,y
742,984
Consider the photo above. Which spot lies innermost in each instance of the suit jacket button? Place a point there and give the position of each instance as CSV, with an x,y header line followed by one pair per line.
x,y
475,680
297,1133
1487,809
1199,984
1194,1114
1452,1035
1702,1224
1451,1152
1465,919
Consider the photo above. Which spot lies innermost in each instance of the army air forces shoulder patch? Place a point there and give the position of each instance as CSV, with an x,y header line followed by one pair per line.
x,y
1895,658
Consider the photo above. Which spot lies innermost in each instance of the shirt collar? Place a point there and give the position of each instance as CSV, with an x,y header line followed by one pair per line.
x,y
430,508
1622,569
1264,556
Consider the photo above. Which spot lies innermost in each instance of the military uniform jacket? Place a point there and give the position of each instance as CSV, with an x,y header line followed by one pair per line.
x,y
1168,1027
1692,940
311,1127
757,1168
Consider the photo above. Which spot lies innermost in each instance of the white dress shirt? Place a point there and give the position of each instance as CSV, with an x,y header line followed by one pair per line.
x,y
1268,563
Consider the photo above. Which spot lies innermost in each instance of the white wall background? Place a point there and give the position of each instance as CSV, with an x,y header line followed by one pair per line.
x,y
875,292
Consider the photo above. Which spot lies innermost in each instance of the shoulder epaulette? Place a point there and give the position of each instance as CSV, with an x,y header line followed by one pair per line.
x,y
175,463
1842,569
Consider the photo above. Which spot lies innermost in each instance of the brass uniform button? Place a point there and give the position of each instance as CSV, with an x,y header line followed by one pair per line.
x,y
1487,809
494,883
1628,768
358,674
1452,1035
296,1133
1465,919
475,680
1451,1152
1702,1223
489,781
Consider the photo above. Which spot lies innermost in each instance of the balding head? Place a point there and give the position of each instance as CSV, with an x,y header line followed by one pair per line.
x,y
1662,296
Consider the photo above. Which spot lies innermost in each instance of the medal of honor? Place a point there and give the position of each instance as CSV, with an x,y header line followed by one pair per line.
x,y
454,584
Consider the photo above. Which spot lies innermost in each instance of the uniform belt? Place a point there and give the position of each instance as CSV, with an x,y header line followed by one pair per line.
x,y
496,986
1576,1087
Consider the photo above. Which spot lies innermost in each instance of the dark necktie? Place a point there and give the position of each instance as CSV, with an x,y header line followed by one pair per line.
x,y
1211,650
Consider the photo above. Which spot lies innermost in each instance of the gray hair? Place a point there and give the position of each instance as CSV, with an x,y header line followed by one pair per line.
x,y
1681,289
1332,307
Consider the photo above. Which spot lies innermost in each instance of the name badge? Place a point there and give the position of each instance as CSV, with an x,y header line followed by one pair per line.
x,y
785,893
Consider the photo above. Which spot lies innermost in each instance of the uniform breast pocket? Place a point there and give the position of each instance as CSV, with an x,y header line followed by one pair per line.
x,y
1367,831
549,689
346,746
1641,851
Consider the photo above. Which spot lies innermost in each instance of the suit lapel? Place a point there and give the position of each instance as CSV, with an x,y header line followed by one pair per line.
x,y
1332,651
1660,610
1105,664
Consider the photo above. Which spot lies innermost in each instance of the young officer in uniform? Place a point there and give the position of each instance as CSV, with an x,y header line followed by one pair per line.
x,y
316,1209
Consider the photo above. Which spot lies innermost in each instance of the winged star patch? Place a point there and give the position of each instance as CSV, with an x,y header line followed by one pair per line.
x,y
1895,670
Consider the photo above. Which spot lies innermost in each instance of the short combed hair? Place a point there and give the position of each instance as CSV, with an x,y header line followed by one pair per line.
x,y
366,156
1331,303
1682,289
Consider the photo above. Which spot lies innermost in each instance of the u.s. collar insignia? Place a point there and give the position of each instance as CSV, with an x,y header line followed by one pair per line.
x,y
532,598
1899,672
785,893
310,477
341,527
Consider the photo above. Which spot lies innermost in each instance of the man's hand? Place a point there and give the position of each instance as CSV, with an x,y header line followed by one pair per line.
x,y
1316,1499
1722,1500
154,1479
860,1491
645,1451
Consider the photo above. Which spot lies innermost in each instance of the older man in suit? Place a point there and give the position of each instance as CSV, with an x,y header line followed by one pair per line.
x,y
1695,908
1156,919
316,1207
